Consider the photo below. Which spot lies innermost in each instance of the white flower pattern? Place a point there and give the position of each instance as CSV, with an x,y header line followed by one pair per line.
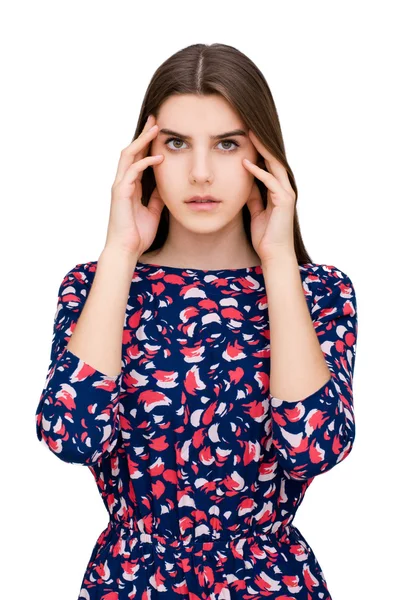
x,y
200,468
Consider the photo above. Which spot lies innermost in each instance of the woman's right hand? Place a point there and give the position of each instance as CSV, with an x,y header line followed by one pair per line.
x,y
132,226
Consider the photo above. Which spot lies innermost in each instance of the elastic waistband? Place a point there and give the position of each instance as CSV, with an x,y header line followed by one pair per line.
x,y
126,530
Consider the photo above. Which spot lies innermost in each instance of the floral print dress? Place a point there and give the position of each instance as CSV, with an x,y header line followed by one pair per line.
x,y
200,468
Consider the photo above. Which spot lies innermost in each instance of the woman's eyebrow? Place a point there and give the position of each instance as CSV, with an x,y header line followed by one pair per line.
x,y
212,137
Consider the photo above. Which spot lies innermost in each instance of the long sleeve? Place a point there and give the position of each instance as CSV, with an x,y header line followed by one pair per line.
x,y
313,435
78,412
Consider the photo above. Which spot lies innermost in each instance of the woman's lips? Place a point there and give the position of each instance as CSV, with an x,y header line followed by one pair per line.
x,y
203,205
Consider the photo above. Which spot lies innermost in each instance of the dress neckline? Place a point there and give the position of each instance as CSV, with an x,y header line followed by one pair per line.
x,y
257,269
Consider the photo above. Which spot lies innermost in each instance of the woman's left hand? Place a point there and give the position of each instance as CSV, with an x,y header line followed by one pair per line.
x,y
272,228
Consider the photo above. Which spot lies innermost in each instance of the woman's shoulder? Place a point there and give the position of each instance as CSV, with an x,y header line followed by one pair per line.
x,y
321,280
81,272
322,271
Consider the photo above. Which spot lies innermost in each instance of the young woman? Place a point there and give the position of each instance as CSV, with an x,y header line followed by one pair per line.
x,y
202,368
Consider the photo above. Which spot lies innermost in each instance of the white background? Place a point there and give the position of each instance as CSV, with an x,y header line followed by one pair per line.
x,y
73,78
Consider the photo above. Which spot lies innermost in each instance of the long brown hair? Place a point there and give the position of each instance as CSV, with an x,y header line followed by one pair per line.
x,y
205,69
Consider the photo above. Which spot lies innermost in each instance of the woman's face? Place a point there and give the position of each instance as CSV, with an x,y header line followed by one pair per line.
x,y
202,165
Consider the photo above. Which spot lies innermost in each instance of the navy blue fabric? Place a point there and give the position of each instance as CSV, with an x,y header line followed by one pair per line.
x,y
200,468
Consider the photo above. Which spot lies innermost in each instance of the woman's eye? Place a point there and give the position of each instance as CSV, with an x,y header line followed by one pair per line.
x,y
229,142
232,142
173,140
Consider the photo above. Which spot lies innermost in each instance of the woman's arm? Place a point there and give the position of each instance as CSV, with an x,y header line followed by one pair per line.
x,y
312,354
97,335
77,416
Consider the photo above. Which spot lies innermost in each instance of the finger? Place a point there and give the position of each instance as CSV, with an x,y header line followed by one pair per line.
x,y
255,201
155,204
150,122
144,151
138,144
136,169
273,164
128,154
268,179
